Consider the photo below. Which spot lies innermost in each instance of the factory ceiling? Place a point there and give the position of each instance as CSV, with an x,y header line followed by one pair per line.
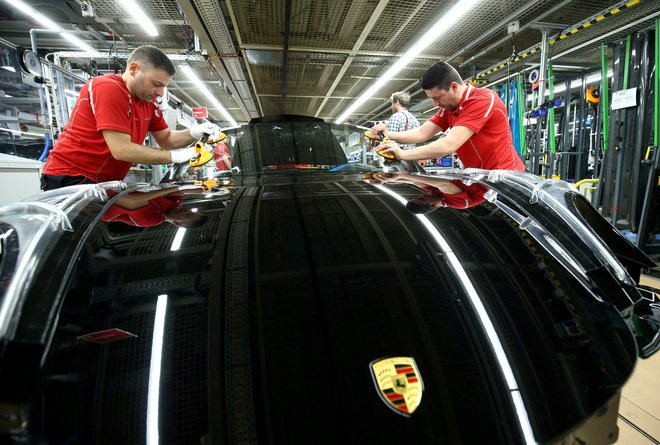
x,y
316,57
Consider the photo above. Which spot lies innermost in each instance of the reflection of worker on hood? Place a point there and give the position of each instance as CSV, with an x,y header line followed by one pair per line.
x,y
437,192
147,209
467,196
221,156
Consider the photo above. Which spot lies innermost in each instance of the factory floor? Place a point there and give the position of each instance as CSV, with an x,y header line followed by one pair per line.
x,y
639,410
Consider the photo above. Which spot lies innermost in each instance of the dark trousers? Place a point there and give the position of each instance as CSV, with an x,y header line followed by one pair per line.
x,y
50,182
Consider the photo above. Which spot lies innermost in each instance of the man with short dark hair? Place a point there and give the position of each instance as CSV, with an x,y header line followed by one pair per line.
x,y
477,120
402,119
110,120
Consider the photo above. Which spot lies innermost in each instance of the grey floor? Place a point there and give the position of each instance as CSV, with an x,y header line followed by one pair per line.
x,y
639,410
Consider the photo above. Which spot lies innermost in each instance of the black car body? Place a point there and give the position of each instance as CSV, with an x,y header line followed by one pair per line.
x,y
518,318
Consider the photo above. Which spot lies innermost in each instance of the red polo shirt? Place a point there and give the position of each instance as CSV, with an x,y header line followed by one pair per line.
x,y
149,215
104,103
221,151
471,195
491,146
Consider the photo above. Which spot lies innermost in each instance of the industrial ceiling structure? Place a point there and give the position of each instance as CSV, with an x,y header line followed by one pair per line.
x,y
317,57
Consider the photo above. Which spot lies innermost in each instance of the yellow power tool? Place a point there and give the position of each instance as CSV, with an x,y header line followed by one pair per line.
x,y
381,138
207,185
202,156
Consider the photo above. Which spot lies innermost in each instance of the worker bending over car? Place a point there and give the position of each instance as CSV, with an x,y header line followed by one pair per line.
x,y
476,118
110,121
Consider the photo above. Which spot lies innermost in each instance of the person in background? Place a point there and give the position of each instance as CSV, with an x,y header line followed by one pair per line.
x,y
110,121
476,118
221,156
402,119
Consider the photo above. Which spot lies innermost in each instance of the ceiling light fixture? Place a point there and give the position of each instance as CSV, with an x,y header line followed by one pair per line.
x,y
139,15
440,26
76,41
48,23
99,54
206,93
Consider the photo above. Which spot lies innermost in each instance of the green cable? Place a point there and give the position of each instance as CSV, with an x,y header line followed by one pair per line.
x,y
551,111
521,116
604,95
625,67
656,95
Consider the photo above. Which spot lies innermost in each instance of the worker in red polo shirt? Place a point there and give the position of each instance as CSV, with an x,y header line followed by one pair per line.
x,y
110,120
476,118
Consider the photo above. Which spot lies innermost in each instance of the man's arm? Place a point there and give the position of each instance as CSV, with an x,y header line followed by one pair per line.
x,y
445,146
123,149
169,139
412,136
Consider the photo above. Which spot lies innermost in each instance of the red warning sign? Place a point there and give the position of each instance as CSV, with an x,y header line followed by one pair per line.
x,y
200,112
106,336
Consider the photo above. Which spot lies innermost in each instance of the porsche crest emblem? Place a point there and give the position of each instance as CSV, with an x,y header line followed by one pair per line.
x,y
398,383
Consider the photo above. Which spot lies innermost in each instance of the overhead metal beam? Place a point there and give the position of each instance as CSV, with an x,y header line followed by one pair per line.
x,y
285,56
493,29
311,96
234,23
490,47
190,11
358,44
504,22
311,49
133,21
591,41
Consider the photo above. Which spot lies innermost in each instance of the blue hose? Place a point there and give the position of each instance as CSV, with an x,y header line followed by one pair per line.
x,y
43,156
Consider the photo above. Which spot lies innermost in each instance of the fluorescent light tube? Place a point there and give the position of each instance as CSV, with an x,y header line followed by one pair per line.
x,y
76,41
205,91
48,23
139,15
42,19
437,30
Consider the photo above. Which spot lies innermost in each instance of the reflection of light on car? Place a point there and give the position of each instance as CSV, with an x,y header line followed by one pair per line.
x,y
154,371
178,238
486,322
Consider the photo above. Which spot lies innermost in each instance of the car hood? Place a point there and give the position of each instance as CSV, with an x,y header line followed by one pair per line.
x,y
283,304
320,279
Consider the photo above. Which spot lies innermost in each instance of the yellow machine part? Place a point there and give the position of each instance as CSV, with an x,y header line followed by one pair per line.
x,y
370,135
201,156
207,185
592,95
385,155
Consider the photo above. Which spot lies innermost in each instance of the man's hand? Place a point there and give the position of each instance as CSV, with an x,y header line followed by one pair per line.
x,y
197,131
183,155
390,147
377,129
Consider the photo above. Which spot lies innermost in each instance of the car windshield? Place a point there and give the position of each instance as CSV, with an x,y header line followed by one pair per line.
x,y
302,145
